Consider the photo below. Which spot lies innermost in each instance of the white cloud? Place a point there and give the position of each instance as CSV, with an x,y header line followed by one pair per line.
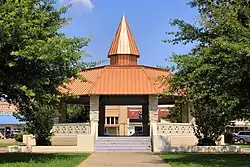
x,y
84,3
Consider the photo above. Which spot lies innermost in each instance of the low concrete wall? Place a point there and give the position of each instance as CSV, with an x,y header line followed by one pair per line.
x,y
160,143
56,149
206,149
85,143
18,149
64,140
178,141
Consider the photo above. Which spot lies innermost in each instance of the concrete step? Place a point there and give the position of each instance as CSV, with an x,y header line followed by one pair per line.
x,y
123,144
123,139
127,138
123,150
124,147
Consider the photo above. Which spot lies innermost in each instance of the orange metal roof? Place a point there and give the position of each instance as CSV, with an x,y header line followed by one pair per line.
x,y
123,42
118,80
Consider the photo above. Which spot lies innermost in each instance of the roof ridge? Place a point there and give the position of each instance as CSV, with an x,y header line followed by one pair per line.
x,y
156,68
98,78
93,68
149,79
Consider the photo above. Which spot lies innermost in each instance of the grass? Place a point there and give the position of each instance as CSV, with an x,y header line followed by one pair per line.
x,y
7,144
243,145
41,160
206,160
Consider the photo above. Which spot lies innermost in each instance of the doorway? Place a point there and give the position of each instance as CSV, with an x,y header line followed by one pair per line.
x,y
123,120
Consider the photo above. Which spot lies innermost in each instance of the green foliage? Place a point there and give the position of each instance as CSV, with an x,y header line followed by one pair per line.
x,y
39,118
210,122
217,69
36,59
19,136
229,138
175,113
77,113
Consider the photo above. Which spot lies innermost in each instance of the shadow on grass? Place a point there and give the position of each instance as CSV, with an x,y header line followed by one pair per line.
x,y
208,160
35,158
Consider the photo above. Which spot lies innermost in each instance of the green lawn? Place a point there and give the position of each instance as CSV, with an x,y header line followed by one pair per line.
x,y
40,160
243,145
6,144
206,160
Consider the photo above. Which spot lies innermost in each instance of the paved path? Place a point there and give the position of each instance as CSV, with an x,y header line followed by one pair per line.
x,y
245,150
123,160
3,149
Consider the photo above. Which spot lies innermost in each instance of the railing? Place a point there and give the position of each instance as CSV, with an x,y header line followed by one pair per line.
x,y
71,129
181,129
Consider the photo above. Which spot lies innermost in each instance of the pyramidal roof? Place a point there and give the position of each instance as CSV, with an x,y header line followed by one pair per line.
x,y
123,42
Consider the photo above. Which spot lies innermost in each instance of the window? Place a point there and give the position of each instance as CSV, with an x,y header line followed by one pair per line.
x,y
242,133
116,120
108,120
112,120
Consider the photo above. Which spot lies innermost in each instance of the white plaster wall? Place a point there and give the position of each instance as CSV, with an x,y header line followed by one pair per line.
x,y
178,141
85,143
29,140
160,143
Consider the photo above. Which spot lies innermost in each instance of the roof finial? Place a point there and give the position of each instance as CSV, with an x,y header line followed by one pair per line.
x,y
123,42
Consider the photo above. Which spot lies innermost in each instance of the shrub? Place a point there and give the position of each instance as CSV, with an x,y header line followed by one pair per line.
x,y
19,136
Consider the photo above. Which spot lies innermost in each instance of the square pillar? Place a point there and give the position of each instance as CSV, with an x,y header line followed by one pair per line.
x,y
153,108
101,127
123,121
153,113
145,119
94,114
186,111
62,116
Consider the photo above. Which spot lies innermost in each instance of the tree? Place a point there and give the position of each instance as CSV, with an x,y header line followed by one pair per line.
x,y
35,57
210,122
217,70
39,119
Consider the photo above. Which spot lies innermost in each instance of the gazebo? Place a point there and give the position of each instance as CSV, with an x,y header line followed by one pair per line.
x,y
122,82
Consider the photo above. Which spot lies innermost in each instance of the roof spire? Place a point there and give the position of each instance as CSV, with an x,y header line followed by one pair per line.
x,y
123,42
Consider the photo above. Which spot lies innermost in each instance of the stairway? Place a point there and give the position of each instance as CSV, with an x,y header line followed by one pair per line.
x,y
123,144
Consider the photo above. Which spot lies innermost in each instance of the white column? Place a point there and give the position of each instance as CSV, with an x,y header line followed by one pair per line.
x,y
153,113
153,107
190,110
94,114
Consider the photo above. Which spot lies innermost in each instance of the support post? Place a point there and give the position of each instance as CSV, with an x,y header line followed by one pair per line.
x,y
101,126
94,114
62,116
145,119
153,113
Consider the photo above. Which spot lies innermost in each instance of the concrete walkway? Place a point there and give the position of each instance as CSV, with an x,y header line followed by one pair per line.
x,y
123,160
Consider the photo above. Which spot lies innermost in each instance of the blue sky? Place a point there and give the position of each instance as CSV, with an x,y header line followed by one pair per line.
x,y
148,21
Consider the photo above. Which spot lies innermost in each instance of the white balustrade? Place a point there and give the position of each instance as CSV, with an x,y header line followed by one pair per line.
x,y
71,129
180,129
